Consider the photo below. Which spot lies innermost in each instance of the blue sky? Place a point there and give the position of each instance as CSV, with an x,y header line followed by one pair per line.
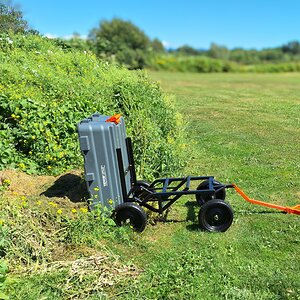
x,y
248,24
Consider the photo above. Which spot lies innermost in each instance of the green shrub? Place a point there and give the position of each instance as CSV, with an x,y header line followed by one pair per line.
x,y
45,89
203,64
199,64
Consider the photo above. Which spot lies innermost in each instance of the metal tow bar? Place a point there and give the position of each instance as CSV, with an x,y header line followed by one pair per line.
x,y
290,210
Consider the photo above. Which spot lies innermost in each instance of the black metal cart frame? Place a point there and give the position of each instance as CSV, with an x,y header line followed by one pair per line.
x,y
215,215
163,191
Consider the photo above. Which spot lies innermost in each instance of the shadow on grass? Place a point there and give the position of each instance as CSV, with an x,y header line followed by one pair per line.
x,y
193,227
161,220
69,186
192,215
259,212
192,211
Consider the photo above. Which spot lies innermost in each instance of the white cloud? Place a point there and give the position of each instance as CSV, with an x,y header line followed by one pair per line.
x,y
50,35
84,37
166,44
65,37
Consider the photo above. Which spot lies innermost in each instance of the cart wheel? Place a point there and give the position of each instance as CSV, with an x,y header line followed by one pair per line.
x,y
132,214
202,198
215,216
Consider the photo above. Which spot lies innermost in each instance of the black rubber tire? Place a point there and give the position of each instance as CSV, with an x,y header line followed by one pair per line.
x,y
201,199
215,216
132,214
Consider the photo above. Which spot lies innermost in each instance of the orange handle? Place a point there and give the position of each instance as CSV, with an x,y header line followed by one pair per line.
x,y
290,210
114,119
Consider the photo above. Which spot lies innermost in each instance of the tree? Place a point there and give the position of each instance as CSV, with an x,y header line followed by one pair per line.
x,y
157,46
121,41
11,20
217,51
291,48
187,50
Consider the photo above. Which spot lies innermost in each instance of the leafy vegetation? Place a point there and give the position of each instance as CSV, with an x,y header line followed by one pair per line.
x,y
204,64
198,64
45,89
118,41
289,52
188,59
221,59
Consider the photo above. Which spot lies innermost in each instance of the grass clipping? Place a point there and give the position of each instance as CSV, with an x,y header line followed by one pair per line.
x,y
52,246
85,276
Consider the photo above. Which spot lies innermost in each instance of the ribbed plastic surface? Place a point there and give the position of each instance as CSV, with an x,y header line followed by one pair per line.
x,y
98,143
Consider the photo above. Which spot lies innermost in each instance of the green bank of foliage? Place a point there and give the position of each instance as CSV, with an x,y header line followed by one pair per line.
x,y
203,64
190,64
46,89
221,59
289,52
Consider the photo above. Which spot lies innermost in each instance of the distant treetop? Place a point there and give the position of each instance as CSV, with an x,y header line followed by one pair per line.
x,y
11,19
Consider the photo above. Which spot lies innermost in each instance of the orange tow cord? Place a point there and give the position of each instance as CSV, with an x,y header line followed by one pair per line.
x,y
290,210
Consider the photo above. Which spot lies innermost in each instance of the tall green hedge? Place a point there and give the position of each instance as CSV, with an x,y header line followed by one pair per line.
x,y
46,89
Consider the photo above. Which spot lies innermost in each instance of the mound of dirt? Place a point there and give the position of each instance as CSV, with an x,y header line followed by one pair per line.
x,y
67,189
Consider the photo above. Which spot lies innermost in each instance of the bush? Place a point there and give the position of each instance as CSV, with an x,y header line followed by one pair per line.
x,y
203,64
47,88
199,64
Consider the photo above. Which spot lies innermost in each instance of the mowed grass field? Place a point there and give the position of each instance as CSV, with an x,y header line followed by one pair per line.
x,y
242,128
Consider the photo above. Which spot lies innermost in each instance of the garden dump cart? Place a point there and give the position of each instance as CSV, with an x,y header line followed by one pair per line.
x,y
112,183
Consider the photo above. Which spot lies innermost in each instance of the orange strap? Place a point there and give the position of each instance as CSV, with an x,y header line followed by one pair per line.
x,y
290,210
114,119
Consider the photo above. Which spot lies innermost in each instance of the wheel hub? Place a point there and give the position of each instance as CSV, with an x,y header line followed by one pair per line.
x,y
216,217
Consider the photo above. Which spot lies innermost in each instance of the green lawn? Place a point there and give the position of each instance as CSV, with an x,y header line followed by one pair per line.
x,y
243,128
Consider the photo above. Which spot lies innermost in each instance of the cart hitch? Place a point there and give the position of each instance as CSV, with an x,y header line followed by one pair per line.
x,y
290,210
